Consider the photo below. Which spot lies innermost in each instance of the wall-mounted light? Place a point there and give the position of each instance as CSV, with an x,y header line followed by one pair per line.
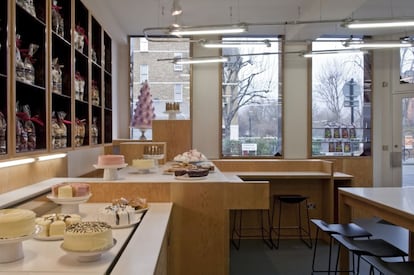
x,y
330,52
50,157
378,44
200,60
176,8
383,23
16,162
235,44
208,30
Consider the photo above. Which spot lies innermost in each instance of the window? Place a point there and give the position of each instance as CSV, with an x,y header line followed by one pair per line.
x,y
178,67
251,101
143,73
165,85
341,102
407,65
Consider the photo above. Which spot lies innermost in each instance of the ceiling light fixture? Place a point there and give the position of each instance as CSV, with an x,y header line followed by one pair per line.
x,y
235,44
383,23
378,44
200,60
331,52
176,8
208,30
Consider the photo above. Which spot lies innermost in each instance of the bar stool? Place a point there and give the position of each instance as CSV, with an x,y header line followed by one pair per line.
x,y
371,247
388,268
236,232
299,201
350,230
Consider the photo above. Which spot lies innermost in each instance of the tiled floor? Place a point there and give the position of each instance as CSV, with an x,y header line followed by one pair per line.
x,y
294,258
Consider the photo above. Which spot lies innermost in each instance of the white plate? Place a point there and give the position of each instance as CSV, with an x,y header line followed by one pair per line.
x,y
186,177
74,200
138,219
110,166
23,238
142,210
50,238
88,256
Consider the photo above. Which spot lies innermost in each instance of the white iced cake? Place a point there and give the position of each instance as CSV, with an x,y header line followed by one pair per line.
x,y
116,215
16,223
54,224
87,236
143,164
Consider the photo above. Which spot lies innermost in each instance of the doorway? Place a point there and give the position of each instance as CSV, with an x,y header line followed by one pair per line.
x,y
402,157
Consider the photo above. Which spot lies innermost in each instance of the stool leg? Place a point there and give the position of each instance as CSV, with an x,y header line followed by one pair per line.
x,y
272,222
267,242
308,222
236,229
279,224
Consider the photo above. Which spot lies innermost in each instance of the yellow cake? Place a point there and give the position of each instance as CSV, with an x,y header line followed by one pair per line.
x,y
143,164
87,236
16,223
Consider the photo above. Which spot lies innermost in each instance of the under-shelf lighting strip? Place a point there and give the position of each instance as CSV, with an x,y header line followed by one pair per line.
x,y
17,162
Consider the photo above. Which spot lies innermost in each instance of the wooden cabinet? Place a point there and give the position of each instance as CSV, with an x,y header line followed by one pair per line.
x,y
55,78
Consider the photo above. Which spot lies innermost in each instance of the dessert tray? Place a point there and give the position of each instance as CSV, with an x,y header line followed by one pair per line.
x,y
186,177
138,217
142,210
88,256
50,238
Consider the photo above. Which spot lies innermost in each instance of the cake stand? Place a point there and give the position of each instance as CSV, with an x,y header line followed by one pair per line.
x,y
11,250
88,256
69,205
155,157
110,171
172,114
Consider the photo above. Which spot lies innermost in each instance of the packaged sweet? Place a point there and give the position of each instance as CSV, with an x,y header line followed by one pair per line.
x,y
29,70
57,19
95,93
56,76
94,131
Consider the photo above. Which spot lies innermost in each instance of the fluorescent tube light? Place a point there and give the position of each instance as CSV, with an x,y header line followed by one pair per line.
x,y
49,157
331,52
378,44
206,30
391,23
200,60
235,44
16,162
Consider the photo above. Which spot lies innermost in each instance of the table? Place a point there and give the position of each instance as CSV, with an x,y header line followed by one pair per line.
x,y
393,204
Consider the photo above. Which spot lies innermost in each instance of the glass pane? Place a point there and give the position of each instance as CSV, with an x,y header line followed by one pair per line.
x,y
407,65
251,100
163,79
341,102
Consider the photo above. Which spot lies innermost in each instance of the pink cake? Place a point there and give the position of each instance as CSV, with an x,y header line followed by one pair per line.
x,y
111,160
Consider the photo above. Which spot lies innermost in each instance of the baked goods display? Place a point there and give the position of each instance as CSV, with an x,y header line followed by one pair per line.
x,y
182,168
137,203
190,156
118,215
87,236
192,173
143,164
54,225
15,223
70,190
111,160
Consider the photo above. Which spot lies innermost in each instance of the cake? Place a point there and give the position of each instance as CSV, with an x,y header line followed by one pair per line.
x,y
16,223
143,164
70,190
115,215
144,112
104,160
87,236
55,224
190,156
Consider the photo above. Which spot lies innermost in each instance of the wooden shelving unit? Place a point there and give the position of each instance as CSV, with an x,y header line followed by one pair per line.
x,y
52,93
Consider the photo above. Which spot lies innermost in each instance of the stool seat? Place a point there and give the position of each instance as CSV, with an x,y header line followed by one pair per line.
x,y
390,268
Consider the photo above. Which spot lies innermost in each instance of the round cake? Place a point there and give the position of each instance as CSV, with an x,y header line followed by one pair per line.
x,y
104,160
115,215
143,164
87,236
16,223
55,224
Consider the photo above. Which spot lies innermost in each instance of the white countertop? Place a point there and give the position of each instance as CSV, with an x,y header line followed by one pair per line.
x,y
46,257
398,198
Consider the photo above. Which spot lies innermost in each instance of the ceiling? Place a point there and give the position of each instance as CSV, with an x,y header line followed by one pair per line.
x,y
133,16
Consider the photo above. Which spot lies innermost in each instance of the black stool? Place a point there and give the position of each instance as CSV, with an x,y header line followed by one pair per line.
x,y
388,268
236,232
371,247
299,201
350,230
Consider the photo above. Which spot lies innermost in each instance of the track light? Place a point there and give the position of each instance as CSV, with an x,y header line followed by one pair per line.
x,y
331,52
208,30
236,44
389,23
200,60
378,44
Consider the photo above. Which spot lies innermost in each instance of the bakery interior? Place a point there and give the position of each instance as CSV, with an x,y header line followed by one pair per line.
x,y
187,225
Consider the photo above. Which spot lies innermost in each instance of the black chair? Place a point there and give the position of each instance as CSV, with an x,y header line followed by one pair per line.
x,y
370,247
389,268
350,230
237,229
300,201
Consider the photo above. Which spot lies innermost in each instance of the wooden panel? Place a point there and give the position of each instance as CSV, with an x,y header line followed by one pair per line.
x,y
360,168
135,150
176,133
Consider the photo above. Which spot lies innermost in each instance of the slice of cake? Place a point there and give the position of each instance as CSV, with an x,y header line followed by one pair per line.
x,y
70,190
117,215
65,191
